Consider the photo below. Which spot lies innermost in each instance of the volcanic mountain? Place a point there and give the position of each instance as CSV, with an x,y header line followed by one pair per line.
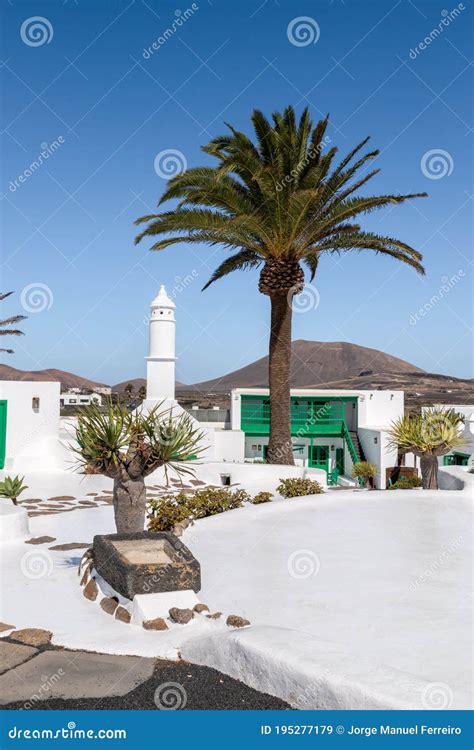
x,y
67,379
312,364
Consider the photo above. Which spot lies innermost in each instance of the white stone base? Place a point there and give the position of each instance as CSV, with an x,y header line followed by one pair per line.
x,y
13,521
149,606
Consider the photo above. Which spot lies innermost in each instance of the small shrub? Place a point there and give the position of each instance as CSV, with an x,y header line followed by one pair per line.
x,y
407,483
212,500
168,510
165,512
297,487
261,497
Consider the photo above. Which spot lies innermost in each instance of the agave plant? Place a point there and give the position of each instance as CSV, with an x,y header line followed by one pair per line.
x,y
428,435
9,322
12,487
127,447
277,202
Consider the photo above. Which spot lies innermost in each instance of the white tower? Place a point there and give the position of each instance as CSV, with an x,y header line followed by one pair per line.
x,y
161,360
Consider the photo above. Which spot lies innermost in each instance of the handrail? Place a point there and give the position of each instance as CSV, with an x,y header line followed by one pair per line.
x,y
350,444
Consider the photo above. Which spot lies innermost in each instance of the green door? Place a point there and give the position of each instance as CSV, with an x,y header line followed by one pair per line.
x,y
340,461
3,432
319,457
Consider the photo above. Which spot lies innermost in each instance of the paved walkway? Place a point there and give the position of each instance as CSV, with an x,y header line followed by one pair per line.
x,y
52,678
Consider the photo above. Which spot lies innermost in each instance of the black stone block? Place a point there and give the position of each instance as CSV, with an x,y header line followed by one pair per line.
x,y
145,563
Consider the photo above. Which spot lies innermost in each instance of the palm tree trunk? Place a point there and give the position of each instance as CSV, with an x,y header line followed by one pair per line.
x,y
429,471
129,503
279,447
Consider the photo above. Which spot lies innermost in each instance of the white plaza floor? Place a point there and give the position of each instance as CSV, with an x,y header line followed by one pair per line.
x,y
356,599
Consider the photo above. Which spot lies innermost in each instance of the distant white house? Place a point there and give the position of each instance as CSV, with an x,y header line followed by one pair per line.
x,y
79,399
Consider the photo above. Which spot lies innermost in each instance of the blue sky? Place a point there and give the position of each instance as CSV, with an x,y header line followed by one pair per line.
x,y
106,109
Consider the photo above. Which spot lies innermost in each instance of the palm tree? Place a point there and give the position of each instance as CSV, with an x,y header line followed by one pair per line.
x,y
278,202
129,390
428,435
142,393
9,322
127,447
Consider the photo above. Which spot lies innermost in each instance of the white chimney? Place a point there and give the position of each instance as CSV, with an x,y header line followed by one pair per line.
x,y
161,360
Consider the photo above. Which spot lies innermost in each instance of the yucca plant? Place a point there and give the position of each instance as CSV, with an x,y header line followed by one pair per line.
x,y
277,202
428,435
4,331
12,487
127,447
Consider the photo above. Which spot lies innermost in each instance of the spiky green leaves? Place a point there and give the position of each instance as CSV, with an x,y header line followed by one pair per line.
x,y
112,440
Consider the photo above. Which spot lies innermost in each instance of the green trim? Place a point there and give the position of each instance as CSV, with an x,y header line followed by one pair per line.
x,y
3,432
314,459
309,415
350,444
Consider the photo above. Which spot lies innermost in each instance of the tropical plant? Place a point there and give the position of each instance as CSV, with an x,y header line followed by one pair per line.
x,y
128,390
12,487
9,322
365,471
142,393
277,202
127,447
430,434
298,487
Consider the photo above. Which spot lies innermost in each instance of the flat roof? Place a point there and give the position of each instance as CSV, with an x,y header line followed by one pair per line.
x,y
313,391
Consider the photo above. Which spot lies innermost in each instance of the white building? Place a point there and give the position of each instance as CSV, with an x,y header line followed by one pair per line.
x,y
29,426
330,429
79,399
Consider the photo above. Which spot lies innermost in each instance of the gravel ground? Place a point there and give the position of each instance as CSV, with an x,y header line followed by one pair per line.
x,y
197,687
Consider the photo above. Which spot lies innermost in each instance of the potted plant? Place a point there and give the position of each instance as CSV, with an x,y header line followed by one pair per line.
x,y
12,487
365,472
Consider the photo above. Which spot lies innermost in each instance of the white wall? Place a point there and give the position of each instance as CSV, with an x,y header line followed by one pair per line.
x,y
32,434
229,445
380,408
378,453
